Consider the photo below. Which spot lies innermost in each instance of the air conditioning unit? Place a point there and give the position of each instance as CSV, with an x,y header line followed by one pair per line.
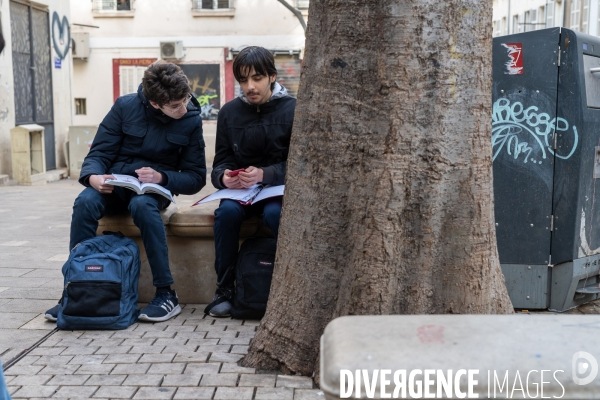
x,y
171,50
81,44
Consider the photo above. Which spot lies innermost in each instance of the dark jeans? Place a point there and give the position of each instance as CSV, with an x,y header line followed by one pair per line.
x,y
91,205
228,221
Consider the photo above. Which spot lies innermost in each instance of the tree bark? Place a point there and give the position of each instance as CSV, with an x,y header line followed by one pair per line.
x,y
388,206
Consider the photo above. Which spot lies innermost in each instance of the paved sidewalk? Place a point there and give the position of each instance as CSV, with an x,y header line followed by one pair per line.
x,y
188,357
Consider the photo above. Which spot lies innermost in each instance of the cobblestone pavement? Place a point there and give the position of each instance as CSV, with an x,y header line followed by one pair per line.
x,y
188,357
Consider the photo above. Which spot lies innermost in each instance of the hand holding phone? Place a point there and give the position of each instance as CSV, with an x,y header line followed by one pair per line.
x,y
235,172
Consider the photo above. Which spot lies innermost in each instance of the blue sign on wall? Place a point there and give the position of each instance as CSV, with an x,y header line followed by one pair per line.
x,y
57,62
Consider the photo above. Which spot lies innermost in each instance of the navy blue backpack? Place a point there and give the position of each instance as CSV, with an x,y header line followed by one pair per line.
x,y
101,284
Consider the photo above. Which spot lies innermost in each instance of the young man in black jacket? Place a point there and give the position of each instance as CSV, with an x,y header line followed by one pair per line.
x,y
156,136
253,133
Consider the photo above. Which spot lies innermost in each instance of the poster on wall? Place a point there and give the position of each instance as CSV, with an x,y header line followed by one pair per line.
x,y
205,80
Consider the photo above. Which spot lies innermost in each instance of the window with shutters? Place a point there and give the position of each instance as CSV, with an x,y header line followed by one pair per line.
x,y
213,8
130,78
585,16
550,14
575,15
112,8
302,4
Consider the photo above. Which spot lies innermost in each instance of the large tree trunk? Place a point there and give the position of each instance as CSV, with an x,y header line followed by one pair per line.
x,y
389,203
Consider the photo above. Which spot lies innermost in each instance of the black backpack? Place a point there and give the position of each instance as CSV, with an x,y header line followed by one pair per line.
x,y
253,274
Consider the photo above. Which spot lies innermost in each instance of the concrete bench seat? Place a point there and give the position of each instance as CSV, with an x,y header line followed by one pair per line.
x,y
498,356
191,248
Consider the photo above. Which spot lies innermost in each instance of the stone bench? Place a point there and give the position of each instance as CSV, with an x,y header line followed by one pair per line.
x,y
525,352
191,249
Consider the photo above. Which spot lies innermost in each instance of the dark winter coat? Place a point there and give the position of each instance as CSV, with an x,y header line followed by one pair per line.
x,y
258,136
134,135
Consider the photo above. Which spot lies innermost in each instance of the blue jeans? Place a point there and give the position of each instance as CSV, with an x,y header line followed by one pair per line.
x,y
145,209
228,221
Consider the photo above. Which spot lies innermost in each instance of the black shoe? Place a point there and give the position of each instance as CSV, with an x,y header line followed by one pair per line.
x,y
164,306
221,304
52,314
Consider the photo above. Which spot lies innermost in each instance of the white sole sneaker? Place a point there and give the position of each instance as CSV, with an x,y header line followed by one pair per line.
x,y
50,317
174,312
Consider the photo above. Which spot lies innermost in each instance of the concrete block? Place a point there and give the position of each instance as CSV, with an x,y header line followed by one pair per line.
x,y
144,380
116,392
75,391
259,380
200,393
274,394
155,393
166,368
177,380
300,382
106,380
226,393
476,348
219,379
225,357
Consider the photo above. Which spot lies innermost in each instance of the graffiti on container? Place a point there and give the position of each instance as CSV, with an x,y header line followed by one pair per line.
x,y
514,65
204,99
528,135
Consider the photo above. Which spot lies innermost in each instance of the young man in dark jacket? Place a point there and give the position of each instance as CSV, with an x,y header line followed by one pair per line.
x,y
156,136
253,133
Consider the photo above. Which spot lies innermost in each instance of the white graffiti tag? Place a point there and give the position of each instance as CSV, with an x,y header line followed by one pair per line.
x,y
526,134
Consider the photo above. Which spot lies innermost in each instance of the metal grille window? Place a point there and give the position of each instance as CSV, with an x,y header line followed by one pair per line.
x,y
80,107
111,5
212,4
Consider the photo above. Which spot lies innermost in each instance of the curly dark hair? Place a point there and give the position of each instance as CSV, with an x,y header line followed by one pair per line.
x,y
164,82
255,57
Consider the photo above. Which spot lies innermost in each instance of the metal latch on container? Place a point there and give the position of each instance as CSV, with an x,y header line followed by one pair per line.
x,y
551,223
558,62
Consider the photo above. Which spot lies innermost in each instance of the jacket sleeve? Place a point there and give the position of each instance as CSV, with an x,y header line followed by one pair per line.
x,y
224,155
275,174
106,144
191,177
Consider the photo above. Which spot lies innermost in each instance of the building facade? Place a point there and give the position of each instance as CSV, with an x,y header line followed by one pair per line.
x,y
115,40
35,75
512,16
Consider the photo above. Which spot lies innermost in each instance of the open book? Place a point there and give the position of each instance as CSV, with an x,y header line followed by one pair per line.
x,y
134,184
246,197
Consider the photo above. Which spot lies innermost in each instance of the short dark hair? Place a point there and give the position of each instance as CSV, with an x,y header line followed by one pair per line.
x,y
255,57
164,82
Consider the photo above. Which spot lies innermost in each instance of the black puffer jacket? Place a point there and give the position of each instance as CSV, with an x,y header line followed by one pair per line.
x,y
134,135
258,136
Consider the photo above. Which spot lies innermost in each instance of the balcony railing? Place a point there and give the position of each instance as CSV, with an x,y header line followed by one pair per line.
x,y
111,5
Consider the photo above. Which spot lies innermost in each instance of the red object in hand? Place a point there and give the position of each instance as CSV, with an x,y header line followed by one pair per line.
x,y
236,172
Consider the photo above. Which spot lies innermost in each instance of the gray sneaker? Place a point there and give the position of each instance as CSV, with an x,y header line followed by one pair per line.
x,y
221,310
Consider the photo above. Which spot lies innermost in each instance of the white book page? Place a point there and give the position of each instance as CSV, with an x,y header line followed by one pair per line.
x,y
154,188
125,179
243,195
270,191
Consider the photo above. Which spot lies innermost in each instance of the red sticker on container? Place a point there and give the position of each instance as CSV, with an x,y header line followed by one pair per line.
x,y
514,65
